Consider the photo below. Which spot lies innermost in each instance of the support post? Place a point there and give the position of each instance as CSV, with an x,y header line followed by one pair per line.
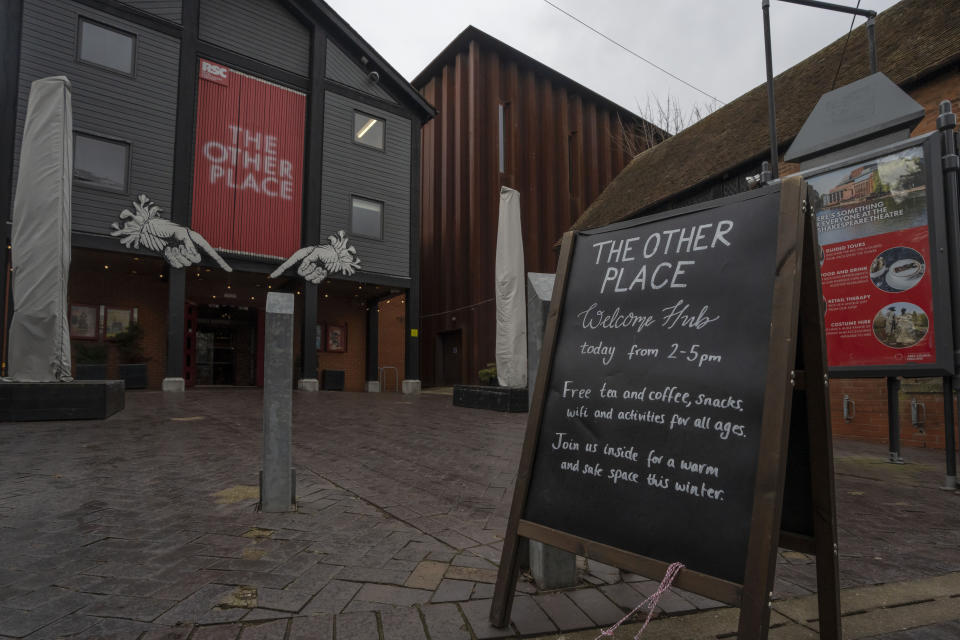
x,y
771,102
411,382
5,282
893,418
949,444
872,44
372,383
176,304
277,493
551,568
946,124
308,344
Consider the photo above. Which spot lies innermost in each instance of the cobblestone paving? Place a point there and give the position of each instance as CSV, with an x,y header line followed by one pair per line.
x,y
145,525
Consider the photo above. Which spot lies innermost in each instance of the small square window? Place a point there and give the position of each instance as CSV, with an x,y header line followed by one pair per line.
x,y
100,162
368,130
366,218
106,47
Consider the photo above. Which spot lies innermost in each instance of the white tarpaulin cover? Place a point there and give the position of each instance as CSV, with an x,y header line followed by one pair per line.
x,y
40,330
511,307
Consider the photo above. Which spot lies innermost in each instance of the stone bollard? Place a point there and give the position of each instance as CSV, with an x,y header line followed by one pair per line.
x,y
277,489
552,568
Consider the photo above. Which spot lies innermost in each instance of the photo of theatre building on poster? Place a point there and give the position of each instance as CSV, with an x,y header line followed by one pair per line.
x,y
872,222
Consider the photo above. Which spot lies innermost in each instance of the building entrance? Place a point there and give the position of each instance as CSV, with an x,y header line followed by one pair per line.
x,y
227,345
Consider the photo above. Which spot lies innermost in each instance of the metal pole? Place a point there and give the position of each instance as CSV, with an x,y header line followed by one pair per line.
x,y
946,123
893,418
277,489
866,13
872,44
950,482
771,103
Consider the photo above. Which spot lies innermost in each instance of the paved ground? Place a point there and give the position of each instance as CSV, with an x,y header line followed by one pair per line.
x,y
144,526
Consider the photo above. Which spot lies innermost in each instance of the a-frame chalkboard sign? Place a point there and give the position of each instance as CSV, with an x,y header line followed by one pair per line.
x,y
681,409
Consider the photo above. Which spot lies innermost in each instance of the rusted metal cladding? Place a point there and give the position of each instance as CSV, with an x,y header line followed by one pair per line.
x,y
248,163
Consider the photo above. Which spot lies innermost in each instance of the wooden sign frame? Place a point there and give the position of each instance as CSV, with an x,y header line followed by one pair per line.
x,y
797,372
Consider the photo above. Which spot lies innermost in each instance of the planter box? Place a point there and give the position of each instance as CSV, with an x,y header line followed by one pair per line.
x,y
77,400
92,371
333,380
134,375
511,399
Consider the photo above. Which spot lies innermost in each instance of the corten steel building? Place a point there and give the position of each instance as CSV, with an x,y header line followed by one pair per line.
x,y
918,48
504,120
264,126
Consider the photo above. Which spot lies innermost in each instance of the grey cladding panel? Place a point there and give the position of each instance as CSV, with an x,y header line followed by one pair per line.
x,y
351,169
140,110
166,9
341,68
260,29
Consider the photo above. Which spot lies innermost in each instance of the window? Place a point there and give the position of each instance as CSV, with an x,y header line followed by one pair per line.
x,y
366,218
100,162
503,113
106,47
368,130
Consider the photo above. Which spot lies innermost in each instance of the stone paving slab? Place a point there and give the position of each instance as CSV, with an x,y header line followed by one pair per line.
x,y
145,525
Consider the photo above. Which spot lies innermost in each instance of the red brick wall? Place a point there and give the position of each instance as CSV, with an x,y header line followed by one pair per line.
x,y
870,420
345,311
146,292
392,343
945,86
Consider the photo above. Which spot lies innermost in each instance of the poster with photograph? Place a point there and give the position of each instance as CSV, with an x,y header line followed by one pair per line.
x,y
84,321
117,321
336,338
872,221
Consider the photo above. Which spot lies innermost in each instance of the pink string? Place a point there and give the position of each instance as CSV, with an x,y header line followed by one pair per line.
x,y
653,599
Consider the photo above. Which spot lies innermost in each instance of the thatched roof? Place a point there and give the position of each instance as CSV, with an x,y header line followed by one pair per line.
x,y
915,39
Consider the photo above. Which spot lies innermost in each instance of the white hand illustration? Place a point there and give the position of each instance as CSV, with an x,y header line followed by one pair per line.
x,y
178,244
319,261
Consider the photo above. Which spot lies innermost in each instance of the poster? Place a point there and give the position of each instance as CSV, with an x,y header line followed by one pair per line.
x,y
84,322
118,321
872,221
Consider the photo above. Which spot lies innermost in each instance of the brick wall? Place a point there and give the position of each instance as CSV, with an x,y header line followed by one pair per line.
x,y
870,420
145,291
392,343
347,312
945,86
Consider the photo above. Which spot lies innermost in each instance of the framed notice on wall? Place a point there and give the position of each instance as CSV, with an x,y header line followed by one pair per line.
x,y
336,338
884,268
84,321
118,319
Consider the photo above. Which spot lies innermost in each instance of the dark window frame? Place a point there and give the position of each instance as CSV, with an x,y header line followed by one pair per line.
x,y
353,128
128,169
79,48
383,209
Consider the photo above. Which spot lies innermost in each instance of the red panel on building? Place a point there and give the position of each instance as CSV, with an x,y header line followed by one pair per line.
x,y
248,163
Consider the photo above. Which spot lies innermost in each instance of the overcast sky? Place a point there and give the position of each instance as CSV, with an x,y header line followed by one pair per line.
x,y
715,45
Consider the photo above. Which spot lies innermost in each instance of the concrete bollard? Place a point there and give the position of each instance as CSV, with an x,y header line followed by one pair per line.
x,y
277,491
552,568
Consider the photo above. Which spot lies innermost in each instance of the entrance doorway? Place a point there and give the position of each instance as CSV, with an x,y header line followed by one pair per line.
x,y
451,357
226,345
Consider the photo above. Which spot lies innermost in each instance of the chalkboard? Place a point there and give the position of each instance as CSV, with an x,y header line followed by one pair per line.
x,y
650,432
681,410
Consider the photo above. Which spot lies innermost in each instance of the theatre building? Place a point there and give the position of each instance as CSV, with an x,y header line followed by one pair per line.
x,y
214,142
